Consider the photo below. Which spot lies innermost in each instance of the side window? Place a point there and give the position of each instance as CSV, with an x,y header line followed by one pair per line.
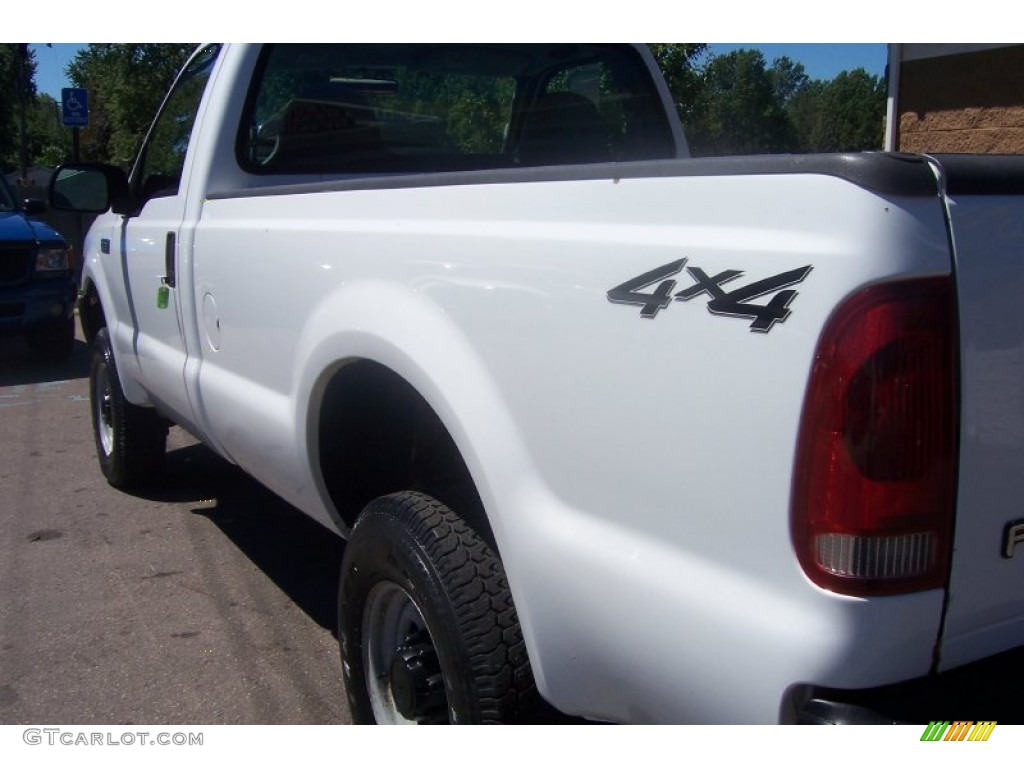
x,y
427,108
158,170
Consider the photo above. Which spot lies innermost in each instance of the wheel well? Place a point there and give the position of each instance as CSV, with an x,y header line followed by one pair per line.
x,y
90,312
377,435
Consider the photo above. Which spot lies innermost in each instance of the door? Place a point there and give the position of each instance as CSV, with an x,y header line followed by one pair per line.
x,y
149,240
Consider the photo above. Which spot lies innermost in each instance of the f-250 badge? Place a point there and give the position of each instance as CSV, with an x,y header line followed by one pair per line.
x,y
734,303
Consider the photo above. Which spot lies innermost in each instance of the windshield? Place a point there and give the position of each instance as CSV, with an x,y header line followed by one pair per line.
x,y
6,198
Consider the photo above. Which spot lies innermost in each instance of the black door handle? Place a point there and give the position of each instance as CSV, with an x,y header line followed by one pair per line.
x,y
170,277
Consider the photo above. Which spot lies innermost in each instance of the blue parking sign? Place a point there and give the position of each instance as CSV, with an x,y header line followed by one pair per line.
x,y
75,107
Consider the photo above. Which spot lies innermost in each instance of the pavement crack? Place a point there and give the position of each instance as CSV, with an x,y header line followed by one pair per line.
x,y
47,534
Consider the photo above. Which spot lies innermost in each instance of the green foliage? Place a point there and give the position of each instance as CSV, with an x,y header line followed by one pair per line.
x,y
788,79
49,142
17,79
841,115
739,110
680,64
8,106
169,137
126,83
737,104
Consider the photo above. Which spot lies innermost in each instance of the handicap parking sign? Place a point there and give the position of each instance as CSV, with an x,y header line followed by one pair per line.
x,y
75,107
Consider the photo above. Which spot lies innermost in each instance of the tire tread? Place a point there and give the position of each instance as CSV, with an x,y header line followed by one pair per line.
x,y
477,590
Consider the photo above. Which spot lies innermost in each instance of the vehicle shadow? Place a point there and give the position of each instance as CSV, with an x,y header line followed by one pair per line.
x,y
298,554
18,366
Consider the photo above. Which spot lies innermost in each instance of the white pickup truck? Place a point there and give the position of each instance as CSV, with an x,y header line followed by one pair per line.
x,y
661,439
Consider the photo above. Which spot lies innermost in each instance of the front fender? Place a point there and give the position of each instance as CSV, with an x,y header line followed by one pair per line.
x,y
103,274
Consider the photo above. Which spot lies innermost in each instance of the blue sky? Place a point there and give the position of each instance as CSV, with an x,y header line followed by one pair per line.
x,y
50,64
822,61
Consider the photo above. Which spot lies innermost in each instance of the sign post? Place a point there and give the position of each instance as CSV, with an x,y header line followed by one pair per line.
x,y
75,114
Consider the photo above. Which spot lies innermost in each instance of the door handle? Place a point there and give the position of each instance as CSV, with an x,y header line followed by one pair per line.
x,y
170,278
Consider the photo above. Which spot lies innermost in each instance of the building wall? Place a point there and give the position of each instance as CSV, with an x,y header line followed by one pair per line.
x,y
967,102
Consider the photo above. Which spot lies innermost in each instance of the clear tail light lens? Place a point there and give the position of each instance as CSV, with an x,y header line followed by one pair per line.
x,y
875,481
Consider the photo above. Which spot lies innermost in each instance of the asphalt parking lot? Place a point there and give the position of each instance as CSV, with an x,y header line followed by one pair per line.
x,y
207,600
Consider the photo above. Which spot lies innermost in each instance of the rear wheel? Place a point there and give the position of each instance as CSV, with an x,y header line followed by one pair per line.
x,y
426,623
130,441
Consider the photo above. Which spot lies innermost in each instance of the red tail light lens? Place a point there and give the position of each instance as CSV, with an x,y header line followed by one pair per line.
x,y
875,482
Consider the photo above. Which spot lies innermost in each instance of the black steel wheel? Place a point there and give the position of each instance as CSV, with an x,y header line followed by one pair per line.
x,y
130,441
427,627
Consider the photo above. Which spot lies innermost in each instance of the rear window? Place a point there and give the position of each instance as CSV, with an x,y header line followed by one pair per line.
x,y
367,109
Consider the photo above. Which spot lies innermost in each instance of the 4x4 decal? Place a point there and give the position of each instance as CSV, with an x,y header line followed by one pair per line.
x,y
734,303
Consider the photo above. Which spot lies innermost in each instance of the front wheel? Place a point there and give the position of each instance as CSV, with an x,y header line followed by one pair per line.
x,y
427,627
130,441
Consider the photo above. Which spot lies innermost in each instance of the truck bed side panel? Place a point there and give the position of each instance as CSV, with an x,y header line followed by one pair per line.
x,y
636,469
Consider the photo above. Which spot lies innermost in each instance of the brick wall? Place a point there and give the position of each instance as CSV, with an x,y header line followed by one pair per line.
x,y
970,102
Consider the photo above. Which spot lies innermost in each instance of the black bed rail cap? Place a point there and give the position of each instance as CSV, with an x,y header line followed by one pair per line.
x,y
894,174
982,174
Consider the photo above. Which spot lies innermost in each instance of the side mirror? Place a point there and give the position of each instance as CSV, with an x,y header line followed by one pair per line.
x,y
89,188
30,206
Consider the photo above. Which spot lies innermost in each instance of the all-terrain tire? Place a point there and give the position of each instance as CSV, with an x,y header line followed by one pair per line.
x,y
426,623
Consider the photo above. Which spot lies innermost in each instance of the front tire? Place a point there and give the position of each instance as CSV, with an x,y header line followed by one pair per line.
x,y
130,441
427,627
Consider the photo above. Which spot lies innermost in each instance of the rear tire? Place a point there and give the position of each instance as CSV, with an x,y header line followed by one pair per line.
x,y
130,441
427,627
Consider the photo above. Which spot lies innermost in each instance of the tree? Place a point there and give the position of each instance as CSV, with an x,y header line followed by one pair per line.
x,y
49,142
846,114
126,83
735,104
804,111
680,64
17,82
739,111
8,106
788,79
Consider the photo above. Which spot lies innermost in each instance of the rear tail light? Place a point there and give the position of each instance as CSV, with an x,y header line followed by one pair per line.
x,y
873,491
